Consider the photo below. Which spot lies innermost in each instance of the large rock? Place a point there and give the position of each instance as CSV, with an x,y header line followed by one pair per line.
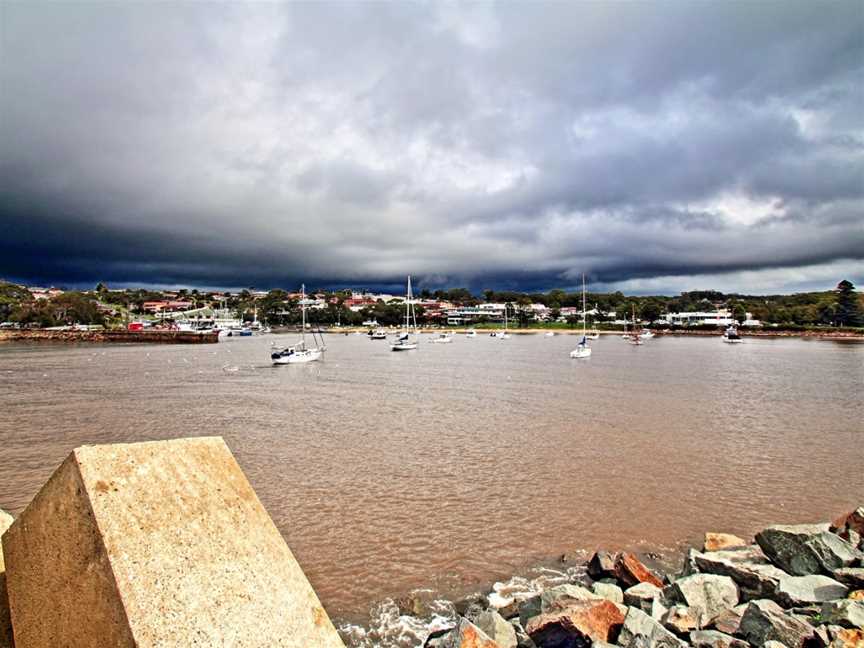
x,y
641,631
846,613
728,621
721,541
715,639
497,628
853,521
851,576
580,623
755,576
853,638
631,571
608,591
681,619
796,591
602,565
467,635
156,544
806,549
559,597
642,596
766,621
709,594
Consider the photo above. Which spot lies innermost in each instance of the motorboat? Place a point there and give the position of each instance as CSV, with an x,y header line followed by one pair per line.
x,y
730,336
471,333
442,338
377,334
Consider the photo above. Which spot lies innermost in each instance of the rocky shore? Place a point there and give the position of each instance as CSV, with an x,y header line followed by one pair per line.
x,y
110,335
793,586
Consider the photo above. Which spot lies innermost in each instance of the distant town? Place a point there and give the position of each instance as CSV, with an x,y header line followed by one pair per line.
x,y
44,307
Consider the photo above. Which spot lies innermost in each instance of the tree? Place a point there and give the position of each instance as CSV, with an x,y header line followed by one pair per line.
x,y
848,311
651,311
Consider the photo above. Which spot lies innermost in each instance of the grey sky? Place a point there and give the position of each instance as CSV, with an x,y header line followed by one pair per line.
x,y
655,146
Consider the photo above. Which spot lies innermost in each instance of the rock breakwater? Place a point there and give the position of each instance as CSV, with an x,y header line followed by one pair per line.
x,y
796,586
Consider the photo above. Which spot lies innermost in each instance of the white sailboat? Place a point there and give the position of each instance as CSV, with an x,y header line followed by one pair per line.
x,y
582,349
502,335
405,342
299,353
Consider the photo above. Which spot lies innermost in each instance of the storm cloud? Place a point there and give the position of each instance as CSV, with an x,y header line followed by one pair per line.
x,y
652,146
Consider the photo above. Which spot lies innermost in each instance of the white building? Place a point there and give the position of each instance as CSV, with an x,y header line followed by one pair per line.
x,y
722,317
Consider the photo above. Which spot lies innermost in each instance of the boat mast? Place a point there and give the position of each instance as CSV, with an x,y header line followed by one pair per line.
x,y
583,308
303,312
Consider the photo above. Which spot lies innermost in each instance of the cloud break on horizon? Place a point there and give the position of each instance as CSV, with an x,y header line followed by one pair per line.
x,y
656,147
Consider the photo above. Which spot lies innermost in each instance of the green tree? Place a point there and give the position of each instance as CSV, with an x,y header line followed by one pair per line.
x,y
848,310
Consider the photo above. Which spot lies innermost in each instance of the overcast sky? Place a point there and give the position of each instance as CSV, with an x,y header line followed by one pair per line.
x,y
656,147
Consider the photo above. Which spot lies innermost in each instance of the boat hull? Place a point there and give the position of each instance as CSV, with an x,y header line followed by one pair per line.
x,y
580,353
403,347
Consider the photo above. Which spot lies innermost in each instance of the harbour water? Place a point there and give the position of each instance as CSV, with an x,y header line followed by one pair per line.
x,y
459,464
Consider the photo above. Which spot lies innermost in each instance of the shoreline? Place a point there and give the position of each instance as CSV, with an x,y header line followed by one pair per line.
x,y
801,585
111,335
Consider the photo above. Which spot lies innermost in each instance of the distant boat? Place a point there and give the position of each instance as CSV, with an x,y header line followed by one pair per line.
x,y
503,334
405,342
443,338
550,333
378,334
593,334
299,353
730,335
471,333
582,349
646,334
634,337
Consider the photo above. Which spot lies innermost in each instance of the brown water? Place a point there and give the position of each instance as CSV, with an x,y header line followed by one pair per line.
x,y
459,464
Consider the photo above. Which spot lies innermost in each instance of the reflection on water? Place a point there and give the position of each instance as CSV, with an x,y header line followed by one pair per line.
x,y
461,463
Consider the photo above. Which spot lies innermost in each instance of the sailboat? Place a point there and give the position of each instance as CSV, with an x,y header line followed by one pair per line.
x,y
299,353
404,342
502,335
582,350
634,337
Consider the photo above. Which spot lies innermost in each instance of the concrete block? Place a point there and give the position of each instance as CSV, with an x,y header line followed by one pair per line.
x,y
156,544
5,620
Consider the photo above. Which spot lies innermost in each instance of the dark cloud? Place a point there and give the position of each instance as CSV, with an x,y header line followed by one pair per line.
x,y
512,145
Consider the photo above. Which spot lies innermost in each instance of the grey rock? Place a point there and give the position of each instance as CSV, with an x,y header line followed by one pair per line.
x,y
822,637
728,621
497,628
806,549
602,565
522,638
642,596
465,634
766,621
794,591
715,639
851,576
709,594
749,568
608,591
641,631
557,598
529,608
681,619
658,609
846,613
